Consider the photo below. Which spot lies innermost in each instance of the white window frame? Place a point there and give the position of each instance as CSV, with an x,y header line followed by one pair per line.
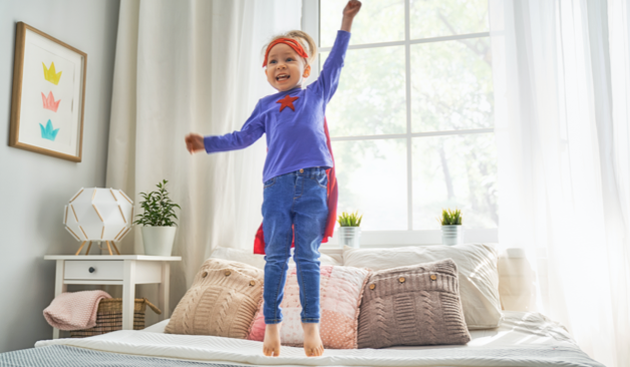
x,y
310,25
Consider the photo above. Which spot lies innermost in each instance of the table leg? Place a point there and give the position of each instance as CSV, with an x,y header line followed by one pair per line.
x,y
129,294
60,287
164,290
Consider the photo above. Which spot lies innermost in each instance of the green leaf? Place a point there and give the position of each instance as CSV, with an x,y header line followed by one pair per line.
x,y
451,217
157,207
349,219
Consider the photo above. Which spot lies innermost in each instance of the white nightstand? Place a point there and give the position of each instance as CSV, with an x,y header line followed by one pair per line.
x,y
125,270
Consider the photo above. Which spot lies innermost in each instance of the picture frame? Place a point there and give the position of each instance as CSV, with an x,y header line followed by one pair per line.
x,y
48,98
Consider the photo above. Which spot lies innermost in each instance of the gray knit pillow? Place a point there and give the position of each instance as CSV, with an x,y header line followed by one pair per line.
x,y
412,305
222,301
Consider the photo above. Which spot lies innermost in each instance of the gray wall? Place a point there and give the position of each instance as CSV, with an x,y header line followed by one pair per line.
x,y
34,187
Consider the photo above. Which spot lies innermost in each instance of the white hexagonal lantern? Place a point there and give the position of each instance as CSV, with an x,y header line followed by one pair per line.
x,y
98,215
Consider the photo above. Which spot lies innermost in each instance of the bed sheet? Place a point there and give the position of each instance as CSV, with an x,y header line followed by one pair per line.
x,y
523,339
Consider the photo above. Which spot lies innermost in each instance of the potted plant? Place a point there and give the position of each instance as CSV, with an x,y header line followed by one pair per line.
x,y
158,226
452,230
349,230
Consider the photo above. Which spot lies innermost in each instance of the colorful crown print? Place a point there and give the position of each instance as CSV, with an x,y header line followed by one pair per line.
x,y
51,75
48,132
50,103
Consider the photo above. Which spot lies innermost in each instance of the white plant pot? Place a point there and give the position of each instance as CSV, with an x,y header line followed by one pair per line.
x,y
349,236
452,235
158,241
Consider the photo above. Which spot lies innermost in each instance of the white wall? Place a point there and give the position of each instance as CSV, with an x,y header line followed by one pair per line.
x,y
34,187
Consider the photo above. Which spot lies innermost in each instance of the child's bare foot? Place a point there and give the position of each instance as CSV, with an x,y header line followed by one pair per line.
x,y
313,346
271,344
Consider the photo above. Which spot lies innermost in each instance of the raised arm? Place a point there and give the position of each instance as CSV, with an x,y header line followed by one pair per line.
x,y
349,12
329,76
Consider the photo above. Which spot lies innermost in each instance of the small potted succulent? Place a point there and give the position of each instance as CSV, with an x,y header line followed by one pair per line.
x,y
157,221
349,230
452,230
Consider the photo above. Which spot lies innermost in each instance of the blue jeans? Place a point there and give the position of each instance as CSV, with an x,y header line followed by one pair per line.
x,y
297,199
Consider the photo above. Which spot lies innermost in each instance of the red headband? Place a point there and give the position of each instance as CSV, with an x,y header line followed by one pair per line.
x,y
295,45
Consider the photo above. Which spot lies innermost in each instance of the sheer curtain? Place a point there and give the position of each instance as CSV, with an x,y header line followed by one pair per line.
x,y
562,95
192,66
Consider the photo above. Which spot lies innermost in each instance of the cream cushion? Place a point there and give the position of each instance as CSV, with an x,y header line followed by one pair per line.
x,y
222,301
477,268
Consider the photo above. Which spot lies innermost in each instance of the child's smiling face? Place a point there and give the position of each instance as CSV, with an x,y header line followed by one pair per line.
x,y
285,68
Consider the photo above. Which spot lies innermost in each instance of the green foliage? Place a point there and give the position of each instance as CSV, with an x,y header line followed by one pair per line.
x,y
158,208
349,220
451,217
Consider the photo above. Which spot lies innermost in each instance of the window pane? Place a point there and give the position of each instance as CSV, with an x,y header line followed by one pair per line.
x,y
372,178
370,98
438,18
378,21
456,171
451,85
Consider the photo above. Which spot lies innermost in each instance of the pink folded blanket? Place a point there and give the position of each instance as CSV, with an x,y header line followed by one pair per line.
x,y
74,310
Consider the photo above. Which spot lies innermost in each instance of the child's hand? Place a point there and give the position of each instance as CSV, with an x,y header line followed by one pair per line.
x,y
194,143
352,8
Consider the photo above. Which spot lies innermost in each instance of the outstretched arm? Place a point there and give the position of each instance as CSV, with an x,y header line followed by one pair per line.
x,y
249,133
349,12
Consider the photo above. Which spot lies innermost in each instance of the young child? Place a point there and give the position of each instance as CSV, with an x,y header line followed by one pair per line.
x,y
295,182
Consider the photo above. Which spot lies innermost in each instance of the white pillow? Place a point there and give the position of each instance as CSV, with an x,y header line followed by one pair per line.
x,y
258,261
517,280
476,264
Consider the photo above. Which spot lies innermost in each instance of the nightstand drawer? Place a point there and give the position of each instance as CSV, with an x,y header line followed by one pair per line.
x,y
94,270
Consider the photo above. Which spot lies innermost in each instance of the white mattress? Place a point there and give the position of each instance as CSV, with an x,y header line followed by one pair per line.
x,y
524,339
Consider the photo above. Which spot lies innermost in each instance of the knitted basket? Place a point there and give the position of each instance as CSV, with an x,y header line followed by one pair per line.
x,y
109,317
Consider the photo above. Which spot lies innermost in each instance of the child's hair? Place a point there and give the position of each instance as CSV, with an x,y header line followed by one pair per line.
x,y
303,38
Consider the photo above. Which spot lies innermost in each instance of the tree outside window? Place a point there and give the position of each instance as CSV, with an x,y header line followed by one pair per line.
x,y
412,119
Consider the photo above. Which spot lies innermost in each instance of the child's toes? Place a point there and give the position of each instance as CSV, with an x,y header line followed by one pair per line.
x,y
271,352
315,352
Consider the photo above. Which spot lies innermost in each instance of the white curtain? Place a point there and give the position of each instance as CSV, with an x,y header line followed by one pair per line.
x,y
562,87
192,66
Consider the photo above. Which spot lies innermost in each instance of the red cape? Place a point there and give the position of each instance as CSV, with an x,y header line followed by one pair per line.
x,y
259,241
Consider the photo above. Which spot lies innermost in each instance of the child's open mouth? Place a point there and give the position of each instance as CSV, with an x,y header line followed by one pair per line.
x,y
282,77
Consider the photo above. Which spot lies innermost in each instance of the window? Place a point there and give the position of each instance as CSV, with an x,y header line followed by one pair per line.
x,y
412,120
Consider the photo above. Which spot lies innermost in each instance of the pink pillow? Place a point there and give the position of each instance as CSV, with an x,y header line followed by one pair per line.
x,y
341,289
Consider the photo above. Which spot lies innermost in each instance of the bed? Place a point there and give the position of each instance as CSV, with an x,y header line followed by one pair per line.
x,y
523,339
497,337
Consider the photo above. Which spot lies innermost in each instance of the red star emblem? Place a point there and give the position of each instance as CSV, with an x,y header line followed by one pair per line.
x,y
287,101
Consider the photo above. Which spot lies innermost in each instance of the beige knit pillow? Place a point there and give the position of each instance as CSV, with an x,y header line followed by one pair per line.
x,y
413,305
222,301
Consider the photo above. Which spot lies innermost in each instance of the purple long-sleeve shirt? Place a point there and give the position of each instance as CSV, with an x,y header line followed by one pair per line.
x,y
295,139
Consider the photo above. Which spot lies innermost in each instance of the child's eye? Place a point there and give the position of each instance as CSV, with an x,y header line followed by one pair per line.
x,y
290,59
272,61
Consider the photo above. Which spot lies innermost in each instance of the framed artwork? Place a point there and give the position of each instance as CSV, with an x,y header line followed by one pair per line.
x,y
48,95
